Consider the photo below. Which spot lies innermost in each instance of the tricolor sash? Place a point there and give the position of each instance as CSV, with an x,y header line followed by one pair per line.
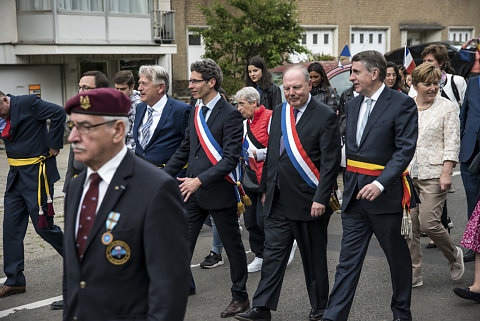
x,y
299,158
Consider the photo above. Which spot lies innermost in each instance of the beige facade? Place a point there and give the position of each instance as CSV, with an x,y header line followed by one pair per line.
x,y
382,25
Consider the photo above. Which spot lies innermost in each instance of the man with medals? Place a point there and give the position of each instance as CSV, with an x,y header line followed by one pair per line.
x,y
212,148
121,216
298,177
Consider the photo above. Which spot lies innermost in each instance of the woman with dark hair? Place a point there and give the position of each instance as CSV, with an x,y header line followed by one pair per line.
x,y
260,78
393,79
321,88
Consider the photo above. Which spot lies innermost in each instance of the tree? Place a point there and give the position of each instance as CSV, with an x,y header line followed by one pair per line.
x,y
265,28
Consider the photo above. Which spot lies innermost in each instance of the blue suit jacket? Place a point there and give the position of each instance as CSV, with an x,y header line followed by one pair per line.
x,y
168,134
30,137
470,119
389,139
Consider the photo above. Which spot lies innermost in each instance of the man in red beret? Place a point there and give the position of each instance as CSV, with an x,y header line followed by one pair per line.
x,y
119,214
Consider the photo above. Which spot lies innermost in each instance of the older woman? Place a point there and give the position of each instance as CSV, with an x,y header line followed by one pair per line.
x,y
260,78
431,168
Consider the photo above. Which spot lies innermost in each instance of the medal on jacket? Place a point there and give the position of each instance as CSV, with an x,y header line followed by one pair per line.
x,y
110,224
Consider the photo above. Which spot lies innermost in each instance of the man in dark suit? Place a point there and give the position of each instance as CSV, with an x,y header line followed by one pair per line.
x,y
31,146
160,120
205,188
121,216
470,147
381,133
294,207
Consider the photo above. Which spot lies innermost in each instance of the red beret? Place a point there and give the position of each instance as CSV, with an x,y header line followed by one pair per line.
x,y
100,101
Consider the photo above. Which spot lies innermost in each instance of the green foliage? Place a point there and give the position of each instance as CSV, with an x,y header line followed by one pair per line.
x,y
320,57
231,85
267,28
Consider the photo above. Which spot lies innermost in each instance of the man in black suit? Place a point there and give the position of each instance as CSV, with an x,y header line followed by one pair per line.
x,y
381,137
294,207
122,215
205,188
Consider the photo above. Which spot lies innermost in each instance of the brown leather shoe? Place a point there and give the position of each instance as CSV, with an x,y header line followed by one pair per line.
x,y
235,307
6,290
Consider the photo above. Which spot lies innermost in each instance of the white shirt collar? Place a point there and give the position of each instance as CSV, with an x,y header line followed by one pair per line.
x,y
212,102
376,95
160,104
108,169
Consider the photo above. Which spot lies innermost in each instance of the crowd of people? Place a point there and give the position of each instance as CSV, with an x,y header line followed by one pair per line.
x,y
146,171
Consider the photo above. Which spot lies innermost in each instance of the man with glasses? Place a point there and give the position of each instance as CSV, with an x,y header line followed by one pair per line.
x,y
205,188
121,216
160,120
31,148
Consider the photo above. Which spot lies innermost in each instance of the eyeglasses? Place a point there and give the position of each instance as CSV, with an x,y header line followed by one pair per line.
x,y
84,129
84,88
196,81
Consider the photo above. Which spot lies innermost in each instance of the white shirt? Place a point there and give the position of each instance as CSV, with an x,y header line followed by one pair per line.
x,y
302,109
157,113
106,172
209,105
363,109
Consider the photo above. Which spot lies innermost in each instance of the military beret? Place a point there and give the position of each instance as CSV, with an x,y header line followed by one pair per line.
x,y
100,101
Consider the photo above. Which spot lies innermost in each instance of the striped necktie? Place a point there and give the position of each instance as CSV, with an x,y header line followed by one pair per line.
x,y
368,110
146,128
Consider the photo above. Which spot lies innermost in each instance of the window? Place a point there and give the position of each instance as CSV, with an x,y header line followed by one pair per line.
x,y
129,6
194,40
379,38
315,38
304,39
353,38
370,38
361,38
325,38
81,5
34,5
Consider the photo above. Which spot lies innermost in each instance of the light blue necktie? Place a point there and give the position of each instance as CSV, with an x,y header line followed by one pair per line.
x,y
146,128
369,102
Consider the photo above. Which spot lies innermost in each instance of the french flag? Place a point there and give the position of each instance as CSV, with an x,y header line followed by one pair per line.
x,y
408,61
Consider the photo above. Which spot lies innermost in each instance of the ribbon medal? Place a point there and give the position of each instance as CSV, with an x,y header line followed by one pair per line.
x,y
110,224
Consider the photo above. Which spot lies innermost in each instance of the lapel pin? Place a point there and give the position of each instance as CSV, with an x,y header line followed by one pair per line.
x,y
116,188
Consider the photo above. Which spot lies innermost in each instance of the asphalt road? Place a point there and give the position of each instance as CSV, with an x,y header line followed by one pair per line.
x,y
435,300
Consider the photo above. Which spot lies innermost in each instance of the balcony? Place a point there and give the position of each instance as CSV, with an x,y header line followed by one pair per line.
x,y
164,26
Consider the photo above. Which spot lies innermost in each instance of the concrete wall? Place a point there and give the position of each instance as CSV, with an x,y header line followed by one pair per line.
x,y
8,21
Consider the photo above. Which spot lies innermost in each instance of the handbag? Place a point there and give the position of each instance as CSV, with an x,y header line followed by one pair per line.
x,y
333,202
249,179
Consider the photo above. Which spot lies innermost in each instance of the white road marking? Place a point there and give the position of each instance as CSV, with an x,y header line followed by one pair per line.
x,y
2,280
455,173
30,306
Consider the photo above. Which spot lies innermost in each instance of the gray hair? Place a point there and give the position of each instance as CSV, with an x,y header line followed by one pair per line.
x,y
157,74
302,69
209,69
249,94
122,118
371,60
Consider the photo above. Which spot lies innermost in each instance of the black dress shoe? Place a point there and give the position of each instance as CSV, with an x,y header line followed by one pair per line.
x,y
235,307
57,305
399,319
192,292
469,256
315,314
255,314
467,294
431,246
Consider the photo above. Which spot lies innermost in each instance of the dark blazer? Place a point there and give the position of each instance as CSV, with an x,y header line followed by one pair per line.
x,y
318,132
168,134
389,139
226,125
30,137
153,283
470,119
271,97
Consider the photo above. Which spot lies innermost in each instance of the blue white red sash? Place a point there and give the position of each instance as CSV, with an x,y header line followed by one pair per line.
x,y
299,158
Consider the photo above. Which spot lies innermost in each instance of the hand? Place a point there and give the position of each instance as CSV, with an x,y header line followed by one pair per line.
x,y
317,209
445,181
369,192
189,186
254,152
263,198
54,152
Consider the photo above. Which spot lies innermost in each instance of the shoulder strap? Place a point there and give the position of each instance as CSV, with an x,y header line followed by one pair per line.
x,y
253,139
455,89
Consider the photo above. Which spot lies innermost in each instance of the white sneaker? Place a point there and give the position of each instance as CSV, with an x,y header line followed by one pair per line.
x,y
457,267
256,265
417,281
292,252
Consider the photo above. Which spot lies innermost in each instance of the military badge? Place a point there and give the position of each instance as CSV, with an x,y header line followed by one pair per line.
x,y
118,252
110,224
85,102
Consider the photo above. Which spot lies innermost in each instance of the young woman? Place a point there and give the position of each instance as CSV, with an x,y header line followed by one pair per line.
x,y
260,78
321,88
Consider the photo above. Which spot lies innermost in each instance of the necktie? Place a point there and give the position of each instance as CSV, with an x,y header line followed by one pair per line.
x,y
282,144
87,213
204,111
146,128
369,102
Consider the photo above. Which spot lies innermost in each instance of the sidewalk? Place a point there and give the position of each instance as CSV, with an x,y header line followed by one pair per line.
x,y
35,246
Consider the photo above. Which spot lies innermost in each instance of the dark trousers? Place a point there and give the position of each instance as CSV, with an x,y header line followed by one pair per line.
x,y
255,223
471,183
358,227
19,204
280,233
226,221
